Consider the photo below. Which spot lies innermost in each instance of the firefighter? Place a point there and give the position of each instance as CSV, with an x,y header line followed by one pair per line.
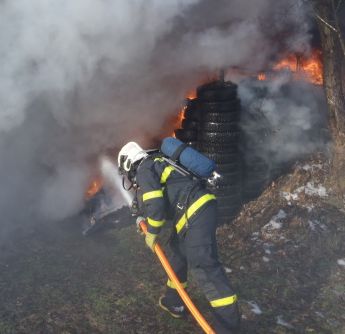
x,y
167,195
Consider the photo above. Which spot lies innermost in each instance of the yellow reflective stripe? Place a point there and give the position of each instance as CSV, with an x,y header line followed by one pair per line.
x,y
159,159
155,223
166,173
171,284
152,194
224,301
192,209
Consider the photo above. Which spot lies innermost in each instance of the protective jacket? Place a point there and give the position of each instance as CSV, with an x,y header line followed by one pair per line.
x,y
165,194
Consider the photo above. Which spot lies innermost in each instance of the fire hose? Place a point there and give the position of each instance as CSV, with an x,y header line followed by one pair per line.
x,y
181,291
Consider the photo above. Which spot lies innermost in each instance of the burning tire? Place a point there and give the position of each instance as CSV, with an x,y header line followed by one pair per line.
x,y
229,178
220,127
208,148
226,219
189,124
193,103
229,201
220,117
192,114
220,137
229,189
217,91
213,118
186,135
230,167
222,158
193,144
220,107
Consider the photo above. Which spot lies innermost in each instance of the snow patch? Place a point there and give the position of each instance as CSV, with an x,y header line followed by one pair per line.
x,y
255,236
267,248
282,322
265,259
319,314
276,221
316,225
227,270
309,189
341,262
307,167
319,190
289,196
309,207
255,308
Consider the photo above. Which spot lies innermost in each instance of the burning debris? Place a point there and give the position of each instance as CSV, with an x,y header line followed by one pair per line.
x,y
303,67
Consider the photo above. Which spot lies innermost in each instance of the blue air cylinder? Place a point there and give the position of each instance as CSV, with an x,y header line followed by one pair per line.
x,y
189,158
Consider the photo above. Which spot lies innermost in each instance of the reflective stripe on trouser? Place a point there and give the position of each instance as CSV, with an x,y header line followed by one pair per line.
x,y
197,250
155,223
171,284
152,194
223,301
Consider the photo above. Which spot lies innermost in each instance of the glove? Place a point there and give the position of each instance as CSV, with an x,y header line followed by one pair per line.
x,y
151,240
137,222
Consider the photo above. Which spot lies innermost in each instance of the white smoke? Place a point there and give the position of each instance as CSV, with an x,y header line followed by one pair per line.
x,y
282,119
80,77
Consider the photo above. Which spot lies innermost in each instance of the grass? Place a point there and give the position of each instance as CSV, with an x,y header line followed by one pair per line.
x,y
54,280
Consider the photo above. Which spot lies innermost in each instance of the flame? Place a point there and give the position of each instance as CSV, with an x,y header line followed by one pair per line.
x,y
308,67
94,188
178,120
191,94
288,63
262,76
180,116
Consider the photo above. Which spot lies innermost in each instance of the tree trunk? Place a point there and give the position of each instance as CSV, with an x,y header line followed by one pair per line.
x,y
333,60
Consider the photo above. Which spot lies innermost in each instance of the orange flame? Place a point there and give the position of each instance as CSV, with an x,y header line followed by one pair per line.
x,y
180,116
308,67
191,94
262,76
178,120
94,188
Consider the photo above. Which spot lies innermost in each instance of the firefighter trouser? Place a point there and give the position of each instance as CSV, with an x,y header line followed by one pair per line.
x,y
196,250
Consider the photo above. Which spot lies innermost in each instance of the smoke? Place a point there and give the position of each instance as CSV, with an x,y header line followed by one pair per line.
x,y
113,182
282,120
80,77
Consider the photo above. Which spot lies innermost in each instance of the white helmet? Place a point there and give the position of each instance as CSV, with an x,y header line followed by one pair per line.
x,y
129,154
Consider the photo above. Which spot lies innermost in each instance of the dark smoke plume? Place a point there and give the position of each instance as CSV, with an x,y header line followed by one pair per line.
x,y
80,77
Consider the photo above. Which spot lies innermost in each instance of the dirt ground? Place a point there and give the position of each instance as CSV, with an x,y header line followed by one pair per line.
x,y
284,254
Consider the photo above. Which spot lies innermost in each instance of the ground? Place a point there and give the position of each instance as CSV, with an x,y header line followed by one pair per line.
x,y
284,253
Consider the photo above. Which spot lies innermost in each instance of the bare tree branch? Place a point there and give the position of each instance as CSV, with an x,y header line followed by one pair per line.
x,y
337,28
326,23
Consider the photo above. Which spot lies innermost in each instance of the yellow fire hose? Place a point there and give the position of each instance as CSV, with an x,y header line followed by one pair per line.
x,y
181,291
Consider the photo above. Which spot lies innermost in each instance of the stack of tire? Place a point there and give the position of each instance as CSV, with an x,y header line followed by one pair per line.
x,y
256,172
213,119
